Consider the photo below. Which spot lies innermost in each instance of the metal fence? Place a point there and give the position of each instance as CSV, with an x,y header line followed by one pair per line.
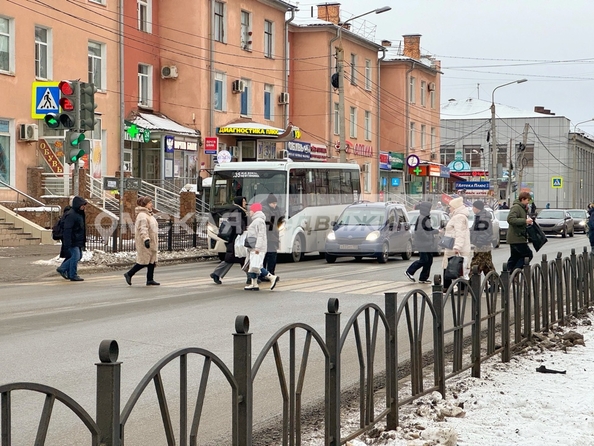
x,y
446,333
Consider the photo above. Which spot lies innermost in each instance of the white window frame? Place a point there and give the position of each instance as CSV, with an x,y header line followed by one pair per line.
x,y
423,130
353,121
246,30
222,78
268,88
102,84
336,119
423,92
411,136
220,22
148,78
11,46
269,39
412,89
353,69
100,2
146,25
248,92
368,74
367,125
48,53
432,98
11,149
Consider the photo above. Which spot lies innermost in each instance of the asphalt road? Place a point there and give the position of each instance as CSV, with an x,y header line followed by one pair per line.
x,y
50,331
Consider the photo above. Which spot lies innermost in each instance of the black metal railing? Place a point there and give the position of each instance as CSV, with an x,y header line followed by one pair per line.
x,y
427,339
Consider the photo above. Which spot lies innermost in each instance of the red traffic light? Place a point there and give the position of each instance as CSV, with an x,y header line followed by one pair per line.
x,y
66,104
66,88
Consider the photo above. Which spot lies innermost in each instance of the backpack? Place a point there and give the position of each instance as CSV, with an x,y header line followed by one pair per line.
x,y
58,229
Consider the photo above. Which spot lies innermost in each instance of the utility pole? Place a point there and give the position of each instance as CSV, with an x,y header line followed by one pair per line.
x,y
522,155
341,129
510,171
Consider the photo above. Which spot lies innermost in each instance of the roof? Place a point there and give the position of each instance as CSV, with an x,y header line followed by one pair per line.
x,y
158,122
394,54
473,108
311,22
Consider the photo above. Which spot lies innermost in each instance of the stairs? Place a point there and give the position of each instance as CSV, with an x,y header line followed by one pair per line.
x,y
11,236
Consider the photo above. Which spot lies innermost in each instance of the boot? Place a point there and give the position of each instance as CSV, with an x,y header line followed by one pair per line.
x,y
253,286
133,270
150,274
272,279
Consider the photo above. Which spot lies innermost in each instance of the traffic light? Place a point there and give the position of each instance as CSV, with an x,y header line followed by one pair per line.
x,y
52,120
69,103
87,107
75,146
514,186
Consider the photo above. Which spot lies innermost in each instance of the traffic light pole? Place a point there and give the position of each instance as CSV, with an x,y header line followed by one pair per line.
x,y
75,188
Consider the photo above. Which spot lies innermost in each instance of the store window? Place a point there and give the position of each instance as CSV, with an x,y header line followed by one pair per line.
x,y
5,151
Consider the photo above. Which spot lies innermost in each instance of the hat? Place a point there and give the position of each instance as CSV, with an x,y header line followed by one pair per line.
x,y
143,201
479,205
271,199
256,207
456,203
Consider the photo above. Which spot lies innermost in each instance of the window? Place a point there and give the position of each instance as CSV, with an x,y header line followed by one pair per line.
x,y
367,74
246,98
220,99
432,98
411,136
144,8
96,65
42,53
145,85
5,150
268,39
423,137
367,125
336,119
411,90
101,2
423,92
246,31
473,155
447,154
502,156
353,120
219,22
6,44
353,69
268,95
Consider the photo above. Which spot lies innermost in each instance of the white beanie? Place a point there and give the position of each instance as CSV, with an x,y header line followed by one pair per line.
x,y
456,203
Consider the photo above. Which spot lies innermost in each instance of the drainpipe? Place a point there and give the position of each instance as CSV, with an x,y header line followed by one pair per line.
x,y
378,179
407,129
330,103
122,112
211,113
286,67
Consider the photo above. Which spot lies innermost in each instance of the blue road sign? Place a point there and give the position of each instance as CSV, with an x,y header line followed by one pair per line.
x,y
45,98
472,185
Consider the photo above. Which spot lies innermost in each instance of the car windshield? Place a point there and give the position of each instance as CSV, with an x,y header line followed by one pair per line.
x,y
434,219
552,214
362,217
577,214
501,215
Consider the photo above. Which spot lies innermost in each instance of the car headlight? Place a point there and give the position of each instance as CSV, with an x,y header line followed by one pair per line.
x,y
560,223
372,236
582,223
331,236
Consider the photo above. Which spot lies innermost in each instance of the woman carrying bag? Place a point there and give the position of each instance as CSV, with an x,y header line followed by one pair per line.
x,y
146,237
257,245
457,228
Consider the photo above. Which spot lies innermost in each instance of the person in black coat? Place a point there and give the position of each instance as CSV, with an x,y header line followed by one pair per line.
x,y
274,218
238,223
591,225
424,242
74,240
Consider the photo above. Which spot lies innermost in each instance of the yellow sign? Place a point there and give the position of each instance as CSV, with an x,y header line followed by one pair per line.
x,y
247,131
557,182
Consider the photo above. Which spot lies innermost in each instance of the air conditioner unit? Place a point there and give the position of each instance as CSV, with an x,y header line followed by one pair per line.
x,y
169,72
238,86
282,154
283,98
431,86
28,132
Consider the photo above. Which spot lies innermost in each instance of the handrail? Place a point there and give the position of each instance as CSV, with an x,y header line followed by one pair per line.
x,y
34,200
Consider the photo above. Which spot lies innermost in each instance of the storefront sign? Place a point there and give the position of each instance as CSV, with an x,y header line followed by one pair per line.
x,y
298,150
211,145
397,160
318,153
136,134
247,131
363,150
50,156
193,146
472,185
384,161
444,171
169,143
179,145
419,171
395,182
473,173
434,170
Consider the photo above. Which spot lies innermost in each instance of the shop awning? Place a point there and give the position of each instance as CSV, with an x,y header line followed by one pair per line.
x,y
253,129
161,123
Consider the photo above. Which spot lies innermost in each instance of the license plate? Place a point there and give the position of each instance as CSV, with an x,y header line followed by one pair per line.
x,y
349,247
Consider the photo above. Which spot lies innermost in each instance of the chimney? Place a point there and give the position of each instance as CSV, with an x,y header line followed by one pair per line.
x,y
543,111
412,46
330,12
386,43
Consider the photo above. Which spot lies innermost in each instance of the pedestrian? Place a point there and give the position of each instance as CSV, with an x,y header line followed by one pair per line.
x,y
424,242
257,234
517,237
73,240
481,237
457,228
274,219
532,209
591,225
146,238
504,205
548,206
238,222
439,206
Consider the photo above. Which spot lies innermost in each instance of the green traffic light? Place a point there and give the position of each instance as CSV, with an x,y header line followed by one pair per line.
x,y
51,121
74,157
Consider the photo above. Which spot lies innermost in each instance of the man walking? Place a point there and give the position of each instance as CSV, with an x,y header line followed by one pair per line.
x,y
74,239
481,237
517,237
424,242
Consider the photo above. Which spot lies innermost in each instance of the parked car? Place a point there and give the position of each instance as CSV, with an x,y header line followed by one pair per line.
x,y
439,220
494,224
370,230
556,221
501,216
580,220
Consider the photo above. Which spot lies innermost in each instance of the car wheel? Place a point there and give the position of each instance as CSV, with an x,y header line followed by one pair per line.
x,y
564,233
358,258
297,250
383,257
406,255
330,258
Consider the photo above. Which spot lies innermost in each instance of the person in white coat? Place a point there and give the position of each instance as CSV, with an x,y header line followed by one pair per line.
x,y
458,229
257,239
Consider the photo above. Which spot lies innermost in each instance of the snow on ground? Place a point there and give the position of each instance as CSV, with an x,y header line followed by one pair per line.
x,y
511,404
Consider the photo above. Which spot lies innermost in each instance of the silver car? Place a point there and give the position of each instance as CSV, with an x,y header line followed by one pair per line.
x,y
580,220
501,216
556,221
494,225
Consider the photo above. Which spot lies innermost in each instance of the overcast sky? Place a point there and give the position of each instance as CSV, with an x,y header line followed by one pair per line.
x,y
548,42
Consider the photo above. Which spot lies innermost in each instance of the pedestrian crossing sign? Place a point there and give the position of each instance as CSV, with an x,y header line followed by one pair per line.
x,y
557,182
45,98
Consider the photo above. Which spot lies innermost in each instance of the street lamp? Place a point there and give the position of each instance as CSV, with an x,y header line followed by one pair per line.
x,y
493,167
340,73
575,164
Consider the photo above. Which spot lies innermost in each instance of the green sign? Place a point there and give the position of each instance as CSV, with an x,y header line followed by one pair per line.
x,y
135,133
397,160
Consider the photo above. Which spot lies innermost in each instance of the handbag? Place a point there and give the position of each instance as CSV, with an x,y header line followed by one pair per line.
x,y
446,242
454,268
250,242
536,236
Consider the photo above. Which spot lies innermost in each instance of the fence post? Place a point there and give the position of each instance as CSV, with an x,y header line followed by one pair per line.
x,y
559,266
527,298
333,374
505,355
391,300
108,393
194,233
475,286
242,371
114,239
591,276
438,341
584,285
544,287
574,278
170,235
